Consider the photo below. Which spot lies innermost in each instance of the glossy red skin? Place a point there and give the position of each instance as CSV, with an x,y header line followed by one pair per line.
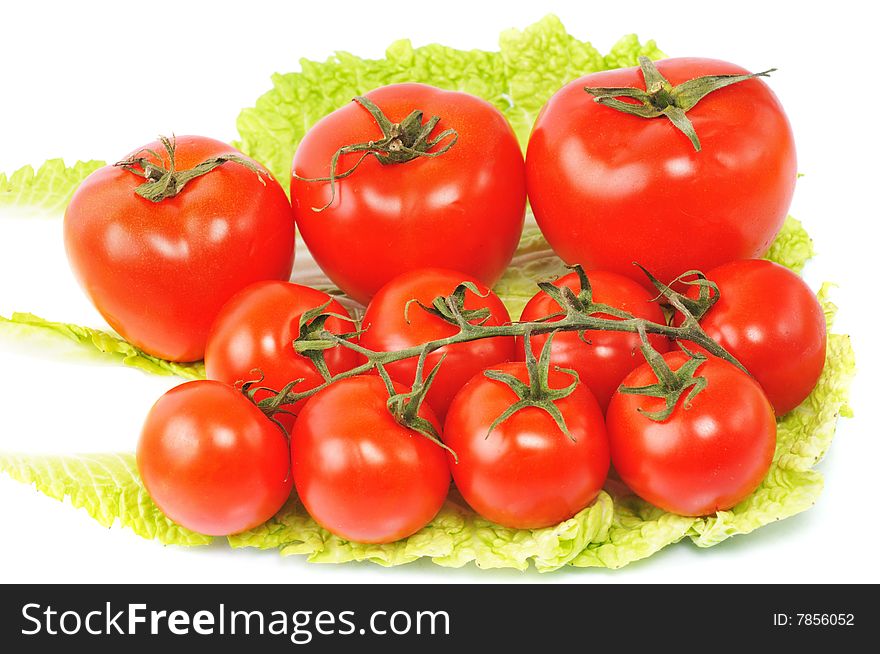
x,y
212,461
256,330
386,328
700,460
610,188
527,474
609,356
159,272
360,474
771,321
463,210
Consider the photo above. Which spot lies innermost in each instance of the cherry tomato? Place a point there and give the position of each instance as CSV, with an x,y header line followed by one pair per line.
x,y
463,209
609,188
389,325
526,473
703,458
770,320
601,358
361,474
256,330
160,271
211,460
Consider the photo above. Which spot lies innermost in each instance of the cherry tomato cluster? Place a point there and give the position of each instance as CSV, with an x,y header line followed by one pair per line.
x,y
412,200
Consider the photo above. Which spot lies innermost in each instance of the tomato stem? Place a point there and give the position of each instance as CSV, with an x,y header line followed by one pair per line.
x,y
400,143
661,98
162,183
578,314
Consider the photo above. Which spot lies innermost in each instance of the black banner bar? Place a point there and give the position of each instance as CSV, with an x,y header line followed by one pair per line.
x,y
434,618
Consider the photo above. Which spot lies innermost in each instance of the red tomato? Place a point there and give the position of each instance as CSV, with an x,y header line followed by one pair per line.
x,y
609,188
256,330
212,461
771,321
608,356
386,328
361,474
160,271
701,459
527,473
462,210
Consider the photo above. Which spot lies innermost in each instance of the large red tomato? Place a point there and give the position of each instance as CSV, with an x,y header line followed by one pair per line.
x,y
708,455
609,188
256,330
160,271
462,209
361,474
770,320
601,358
526,473
389,325
212,461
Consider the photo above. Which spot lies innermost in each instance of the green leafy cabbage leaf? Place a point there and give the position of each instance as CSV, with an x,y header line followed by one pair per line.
x,y
455,537
100,345
46,190
618,528
107,486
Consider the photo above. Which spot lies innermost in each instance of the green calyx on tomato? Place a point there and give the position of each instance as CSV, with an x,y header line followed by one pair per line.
x,y
405,406
161,183
537,392
580,302
660,98
451,307
670,385
401,142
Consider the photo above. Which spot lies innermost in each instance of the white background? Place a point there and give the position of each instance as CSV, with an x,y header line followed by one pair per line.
x,y
94,80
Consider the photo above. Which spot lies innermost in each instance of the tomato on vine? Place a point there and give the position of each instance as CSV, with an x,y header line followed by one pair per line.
x,y
161,240
257,328
410,191
691,435
769,319
359,472
212,460
530,443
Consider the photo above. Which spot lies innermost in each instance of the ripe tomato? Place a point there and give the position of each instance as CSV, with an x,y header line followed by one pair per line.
x,y
361,474
463,209
212,461
609,188
770,320
703,458
389,325
160,271
527,473
604,360
256,329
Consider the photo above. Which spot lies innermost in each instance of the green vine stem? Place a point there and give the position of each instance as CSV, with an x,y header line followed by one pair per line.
x,y
660,98
400,143
161,183
577,314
